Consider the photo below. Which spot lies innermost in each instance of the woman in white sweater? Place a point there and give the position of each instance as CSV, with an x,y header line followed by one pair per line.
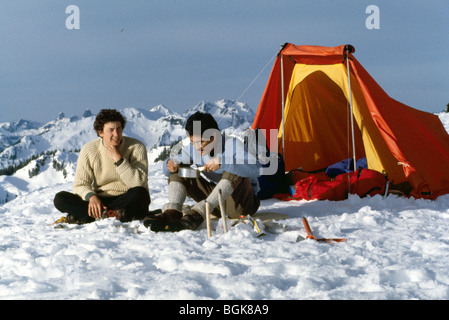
x,y
111,178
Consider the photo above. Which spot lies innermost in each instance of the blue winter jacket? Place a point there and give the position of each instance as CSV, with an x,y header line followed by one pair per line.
x,y
235,159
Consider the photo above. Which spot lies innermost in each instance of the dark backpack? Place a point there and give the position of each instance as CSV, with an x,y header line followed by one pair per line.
x,y
273,184
270,184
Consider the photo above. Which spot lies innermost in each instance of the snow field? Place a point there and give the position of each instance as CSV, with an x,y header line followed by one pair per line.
x,y
397,249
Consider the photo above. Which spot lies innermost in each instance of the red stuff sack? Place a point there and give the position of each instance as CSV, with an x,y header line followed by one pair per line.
x,y
320,187
366,182
362,182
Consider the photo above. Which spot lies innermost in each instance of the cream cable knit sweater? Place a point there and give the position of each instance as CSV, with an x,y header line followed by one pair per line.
x,y
96,173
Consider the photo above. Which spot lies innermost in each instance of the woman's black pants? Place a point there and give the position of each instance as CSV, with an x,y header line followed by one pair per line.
x,y
135,202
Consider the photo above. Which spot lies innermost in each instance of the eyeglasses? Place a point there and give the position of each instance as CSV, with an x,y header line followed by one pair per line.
x,y
201,143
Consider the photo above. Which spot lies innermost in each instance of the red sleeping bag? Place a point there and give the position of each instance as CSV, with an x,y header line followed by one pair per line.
x,y
362,182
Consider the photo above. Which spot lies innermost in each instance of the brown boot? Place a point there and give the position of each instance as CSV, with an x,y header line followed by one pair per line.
x,y
192,221
166,221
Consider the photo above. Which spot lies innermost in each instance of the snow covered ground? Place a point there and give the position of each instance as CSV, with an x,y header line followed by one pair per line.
x,y
397,249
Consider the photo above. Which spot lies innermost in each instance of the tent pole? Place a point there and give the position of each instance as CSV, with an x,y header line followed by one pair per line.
x,y
282,88
351,113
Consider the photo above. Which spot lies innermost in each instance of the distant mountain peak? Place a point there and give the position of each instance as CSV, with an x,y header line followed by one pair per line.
x,y
155,127
87,113
227,113
161,109
60,116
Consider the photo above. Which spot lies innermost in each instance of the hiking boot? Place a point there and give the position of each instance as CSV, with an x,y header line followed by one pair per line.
x,y
152,213
192,221
113,213
74,220
166,221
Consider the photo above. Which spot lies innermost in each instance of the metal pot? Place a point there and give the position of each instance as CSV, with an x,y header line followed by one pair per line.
x,y
184,172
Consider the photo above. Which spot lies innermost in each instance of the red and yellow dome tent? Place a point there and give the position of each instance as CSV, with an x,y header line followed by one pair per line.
x,y
322,115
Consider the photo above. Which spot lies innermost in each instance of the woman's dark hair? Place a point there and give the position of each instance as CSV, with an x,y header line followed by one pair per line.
x,y
108,115
206,120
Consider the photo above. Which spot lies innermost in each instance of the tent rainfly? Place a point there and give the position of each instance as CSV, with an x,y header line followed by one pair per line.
x,y
326,108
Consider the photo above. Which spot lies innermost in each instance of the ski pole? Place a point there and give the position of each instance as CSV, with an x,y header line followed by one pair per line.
x,y
223,215
209,232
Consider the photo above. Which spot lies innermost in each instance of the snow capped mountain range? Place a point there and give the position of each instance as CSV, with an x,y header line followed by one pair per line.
x,y
156,127
30,149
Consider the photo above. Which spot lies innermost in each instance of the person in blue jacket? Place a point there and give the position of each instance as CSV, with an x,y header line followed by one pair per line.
x,y
227,166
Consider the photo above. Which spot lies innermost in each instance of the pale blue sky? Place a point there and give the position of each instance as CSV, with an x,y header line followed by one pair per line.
x,y
142,53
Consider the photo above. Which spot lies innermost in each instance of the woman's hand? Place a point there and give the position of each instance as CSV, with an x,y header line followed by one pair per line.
x,y
172,166
96,207
114,153
212,165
